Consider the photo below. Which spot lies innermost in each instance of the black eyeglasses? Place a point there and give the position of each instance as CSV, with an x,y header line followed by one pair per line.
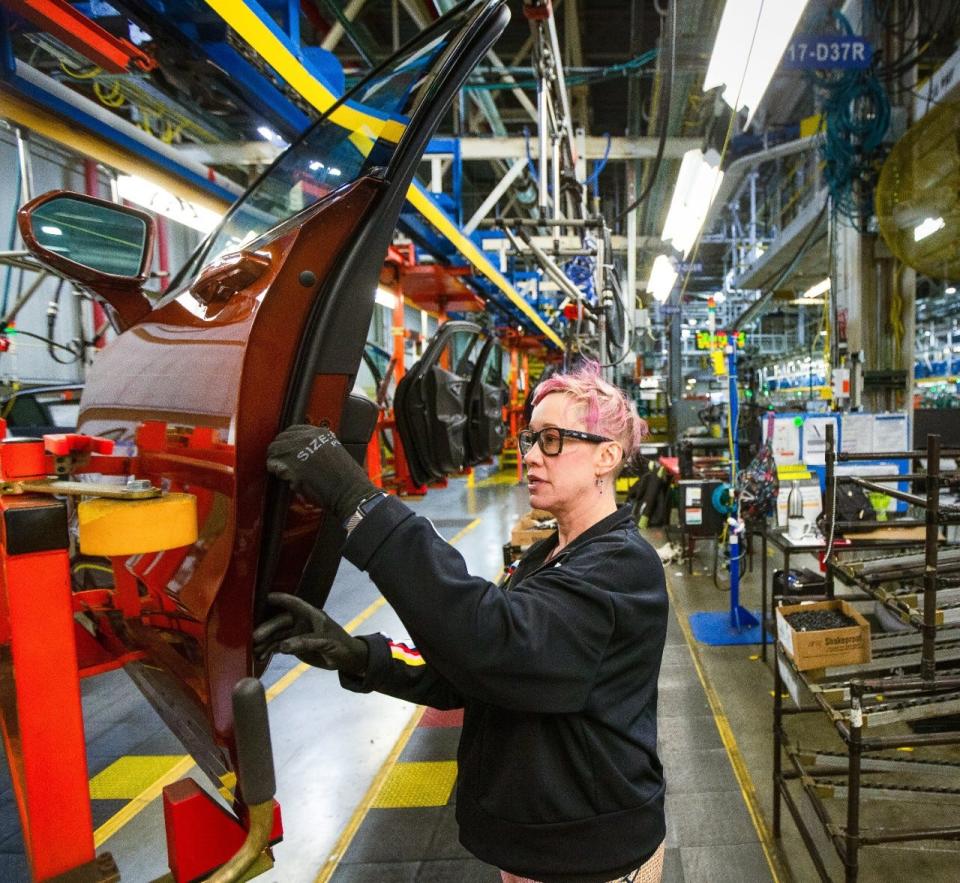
x,y
551,439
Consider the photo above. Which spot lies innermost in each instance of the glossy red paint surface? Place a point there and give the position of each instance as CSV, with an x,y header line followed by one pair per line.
x,y
193,394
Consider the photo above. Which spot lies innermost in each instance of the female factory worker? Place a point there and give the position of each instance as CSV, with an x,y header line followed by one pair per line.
x,y
556,669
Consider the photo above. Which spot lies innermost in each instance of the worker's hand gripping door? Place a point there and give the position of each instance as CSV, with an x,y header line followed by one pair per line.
x,y
431,403
262,328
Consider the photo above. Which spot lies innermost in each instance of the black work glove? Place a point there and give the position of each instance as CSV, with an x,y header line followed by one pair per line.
x,y
317,466
309,634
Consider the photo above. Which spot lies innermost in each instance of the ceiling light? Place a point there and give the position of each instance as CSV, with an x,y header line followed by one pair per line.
x,y
663,276
145,193
821,287
927,227
268,134
808,301
697,184
386,298
750,42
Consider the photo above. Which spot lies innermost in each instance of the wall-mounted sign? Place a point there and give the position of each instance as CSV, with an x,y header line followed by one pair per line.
x,y
828,53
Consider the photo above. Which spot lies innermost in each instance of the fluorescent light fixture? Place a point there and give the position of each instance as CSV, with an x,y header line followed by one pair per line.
x,y
662,278
50,230
269,135
743,63
811,297
148,195
697,184
386,298
927,227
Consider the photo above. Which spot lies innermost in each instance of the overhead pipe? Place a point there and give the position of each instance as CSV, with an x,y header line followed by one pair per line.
x,y
733,175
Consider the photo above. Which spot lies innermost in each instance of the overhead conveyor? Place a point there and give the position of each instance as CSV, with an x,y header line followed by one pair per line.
x,y
39,103
253,24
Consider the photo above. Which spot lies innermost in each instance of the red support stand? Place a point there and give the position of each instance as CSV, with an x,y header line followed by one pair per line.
x,y
40,710
201,834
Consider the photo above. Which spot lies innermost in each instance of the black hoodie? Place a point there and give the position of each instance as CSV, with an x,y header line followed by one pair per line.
x,y
556,670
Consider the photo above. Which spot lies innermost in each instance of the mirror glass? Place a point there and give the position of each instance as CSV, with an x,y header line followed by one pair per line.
x,y
103,238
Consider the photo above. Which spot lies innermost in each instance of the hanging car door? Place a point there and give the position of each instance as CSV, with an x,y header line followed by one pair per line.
x,y
486,396
264,327
430,403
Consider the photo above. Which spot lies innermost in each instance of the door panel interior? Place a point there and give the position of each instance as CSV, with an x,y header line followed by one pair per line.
x,y
486,397
431,400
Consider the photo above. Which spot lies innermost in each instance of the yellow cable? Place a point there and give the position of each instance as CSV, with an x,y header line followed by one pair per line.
x,y
113,98
88,74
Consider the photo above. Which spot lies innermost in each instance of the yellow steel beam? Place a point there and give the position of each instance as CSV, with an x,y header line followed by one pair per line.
x,y
273,50
49,125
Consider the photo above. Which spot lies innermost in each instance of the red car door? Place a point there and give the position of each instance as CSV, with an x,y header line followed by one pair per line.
x,y
264,327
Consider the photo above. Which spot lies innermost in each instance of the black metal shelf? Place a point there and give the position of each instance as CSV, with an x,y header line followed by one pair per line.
x,y
912,676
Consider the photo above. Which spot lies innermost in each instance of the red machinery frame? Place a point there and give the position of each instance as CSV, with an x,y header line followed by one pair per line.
x,y
45,652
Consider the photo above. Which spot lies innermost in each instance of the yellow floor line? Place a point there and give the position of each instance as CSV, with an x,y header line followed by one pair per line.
x,y
461,534
360,813
740,770
154,790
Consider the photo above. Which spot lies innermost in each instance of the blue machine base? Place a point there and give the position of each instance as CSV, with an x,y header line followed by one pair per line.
x,y
717,629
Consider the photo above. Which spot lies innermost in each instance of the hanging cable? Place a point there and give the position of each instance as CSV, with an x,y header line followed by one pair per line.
x,y
664,114
598,167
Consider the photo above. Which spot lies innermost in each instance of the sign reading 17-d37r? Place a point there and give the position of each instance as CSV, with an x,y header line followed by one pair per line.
x,y
828,53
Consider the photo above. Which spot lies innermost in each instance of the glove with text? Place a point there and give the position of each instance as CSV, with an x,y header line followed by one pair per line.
x,y
309,634
317,466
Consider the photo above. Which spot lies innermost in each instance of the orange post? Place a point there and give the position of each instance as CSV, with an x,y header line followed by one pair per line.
x,y
40,705
374,462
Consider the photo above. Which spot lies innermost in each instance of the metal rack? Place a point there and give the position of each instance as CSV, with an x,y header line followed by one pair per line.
x,y
912,676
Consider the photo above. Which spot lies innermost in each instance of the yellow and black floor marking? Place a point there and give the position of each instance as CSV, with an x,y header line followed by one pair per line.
x,y
405,830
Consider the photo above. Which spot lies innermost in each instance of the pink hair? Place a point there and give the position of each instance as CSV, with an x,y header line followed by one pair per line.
x,y
607,409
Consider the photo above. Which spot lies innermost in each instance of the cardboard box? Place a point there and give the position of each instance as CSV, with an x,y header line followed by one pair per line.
x,y
527,530
826,648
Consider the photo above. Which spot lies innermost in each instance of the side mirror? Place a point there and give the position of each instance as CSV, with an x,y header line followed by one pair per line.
x,y
103,246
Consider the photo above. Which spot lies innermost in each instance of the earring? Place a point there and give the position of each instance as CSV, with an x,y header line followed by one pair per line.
x,y
599,484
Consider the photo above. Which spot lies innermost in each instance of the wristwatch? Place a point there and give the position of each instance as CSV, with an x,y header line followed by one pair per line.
x,y
364,507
